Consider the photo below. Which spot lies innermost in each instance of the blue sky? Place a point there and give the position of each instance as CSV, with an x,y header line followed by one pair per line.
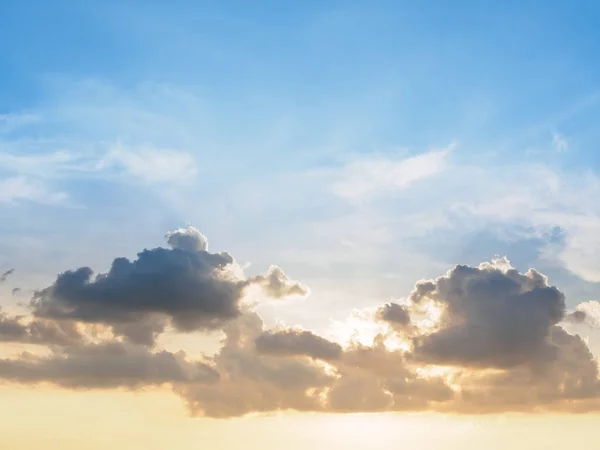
x,y
361,145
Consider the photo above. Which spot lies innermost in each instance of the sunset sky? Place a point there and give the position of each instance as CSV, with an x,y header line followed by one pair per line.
x,y
315,224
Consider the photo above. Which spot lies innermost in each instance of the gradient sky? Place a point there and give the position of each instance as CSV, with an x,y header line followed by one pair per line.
x,y
360,146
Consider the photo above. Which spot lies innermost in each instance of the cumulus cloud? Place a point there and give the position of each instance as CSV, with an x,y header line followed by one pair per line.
x,y
16,329
586,313
493,316
251,382
277,284
474,340
297,342
186,286
396,315
188,239
192,288
569,384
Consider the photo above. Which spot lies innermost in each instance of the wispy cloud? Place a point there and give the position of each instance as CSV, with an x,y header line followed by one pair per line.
x,y
370,176
97,132
19,188
10,122
29,177
46,165
559,142
150,165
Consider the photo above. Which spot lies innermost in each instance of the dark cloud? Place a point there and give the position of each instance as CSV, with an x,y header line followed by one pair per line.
x,y
12,328
297,343
570,383
359,379
587,313
144,331
493,316
108,365
576,317
16,290
192,288
475,340
251,382
5,275
43,332
383,380
396,315
63,333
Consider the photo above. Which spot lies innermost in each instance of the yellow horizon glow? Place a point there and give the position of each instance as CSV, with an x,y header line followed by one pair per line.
x,y
55,419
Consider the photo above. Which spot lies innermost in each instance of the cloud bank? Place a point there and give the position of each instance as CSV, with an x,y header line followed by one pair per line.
x,y
478,339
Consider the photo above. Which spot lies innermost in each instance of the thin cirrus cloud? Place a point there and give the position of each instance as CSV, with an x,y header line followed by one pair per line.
x,y
476,339
31,176
150,165
11,122
20,188
559,142
368,177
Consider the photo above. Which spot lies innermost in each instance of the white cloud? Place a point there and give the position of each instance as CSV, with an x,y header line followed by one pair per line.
x,y
30,176
534,197
10,122
375,175
45,165
151,165
559,142
21,188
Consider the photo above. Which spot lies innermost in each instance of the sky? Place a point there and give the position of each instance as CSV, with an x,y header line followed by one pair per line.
x,y
268,224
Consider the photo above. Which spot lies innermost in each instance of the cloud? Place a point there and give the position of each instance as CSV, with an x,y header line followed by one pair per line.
x,y
251,382
560,142
108,365
185,285
542,369
46,165
15,329
375,378
189,239
492,316
20,188
276,284
151,165
297,342
474,340
397,315
367,177
30,176
569,384
530,197
148,165
586,313
11,122
5,275
11,328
